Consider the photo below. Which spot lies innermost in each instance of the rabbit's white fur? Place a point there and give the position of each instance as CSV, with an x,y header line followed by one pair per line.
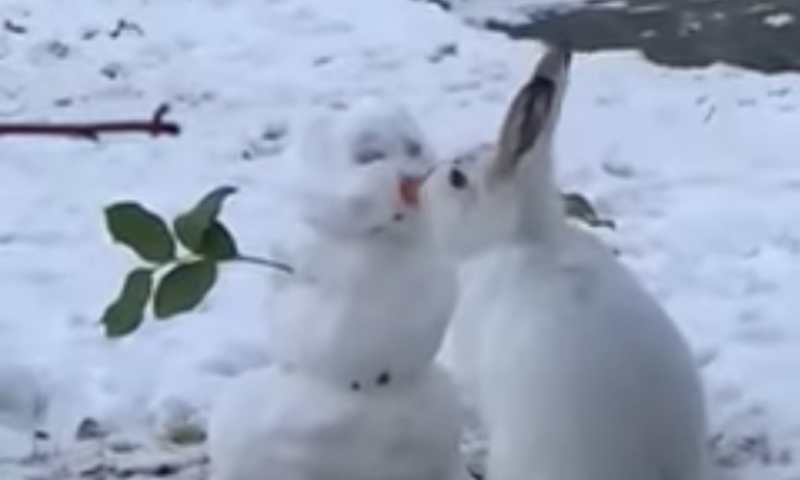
x,y
578,373
274,423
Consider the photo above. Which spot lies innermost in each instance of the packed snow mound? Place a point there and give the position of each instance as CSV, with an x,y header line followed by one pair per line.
x,y
371,293
344,171
298,426
352,334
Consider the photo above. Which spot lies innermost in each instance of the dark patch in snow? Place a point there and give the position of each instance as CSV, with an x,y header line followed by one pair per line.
x,y
754,34
12,27
384,379
90,428
124,27
734,452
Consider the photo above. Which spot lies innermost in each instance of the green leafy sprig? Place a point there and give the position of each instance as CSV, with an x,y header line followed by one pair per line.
x,y
185,280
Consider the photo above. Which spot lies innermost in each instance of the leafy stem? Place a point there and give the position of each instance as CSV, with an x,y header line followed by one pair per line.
x,y
264,262
183,281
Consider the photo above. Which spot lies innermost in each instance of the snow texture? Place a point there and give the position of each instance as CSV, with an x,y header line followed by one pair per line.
x,y
697,167
511,11
307,427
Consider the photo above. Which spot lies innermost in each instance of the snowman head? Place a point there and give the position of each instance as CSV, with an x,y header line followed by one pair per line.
x,y
360,167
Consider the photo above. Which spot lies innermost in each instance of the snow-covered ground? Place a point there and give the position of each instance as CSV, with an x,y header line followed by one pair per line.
x,y
697,167
512,11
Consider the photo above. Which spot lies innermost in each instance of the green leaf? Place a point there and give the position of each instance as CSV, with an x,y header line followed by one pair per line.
x,y
141,230
218,243
126,312
191,227
183,288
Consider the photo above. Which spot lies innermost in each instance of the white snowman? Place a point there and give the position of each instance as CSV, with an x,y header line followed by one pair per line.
x,y
352,392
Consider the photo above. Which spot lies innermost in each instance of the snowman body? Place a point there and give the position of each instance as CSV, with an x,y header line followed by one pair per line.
x,y
352,391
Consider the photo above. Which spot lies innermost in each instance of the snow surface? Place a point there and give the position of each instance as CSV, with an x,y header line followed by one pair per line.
x,y
698,168
513,11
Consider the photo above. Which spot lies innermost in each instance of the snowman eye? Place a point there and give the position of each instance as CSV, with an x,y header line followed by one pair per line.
x,y
457,179
367,156
413,148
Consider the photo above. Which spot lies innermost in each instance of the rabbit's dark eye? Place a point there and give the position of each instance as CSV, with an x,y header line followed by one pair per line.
x,y
457,179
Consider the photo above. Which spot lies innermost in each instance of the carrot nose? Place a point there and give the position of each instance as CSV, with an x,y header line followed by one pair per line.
x,y
409,190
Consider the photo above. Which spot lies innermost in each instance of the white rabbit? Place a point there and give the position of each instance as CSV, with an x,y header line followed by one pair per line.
x,y
578,373
352,392
274,423
372,297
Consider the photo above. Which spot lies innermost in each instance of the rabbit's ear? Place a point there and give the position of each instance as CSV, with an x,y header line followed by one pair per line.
x,y
534,111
